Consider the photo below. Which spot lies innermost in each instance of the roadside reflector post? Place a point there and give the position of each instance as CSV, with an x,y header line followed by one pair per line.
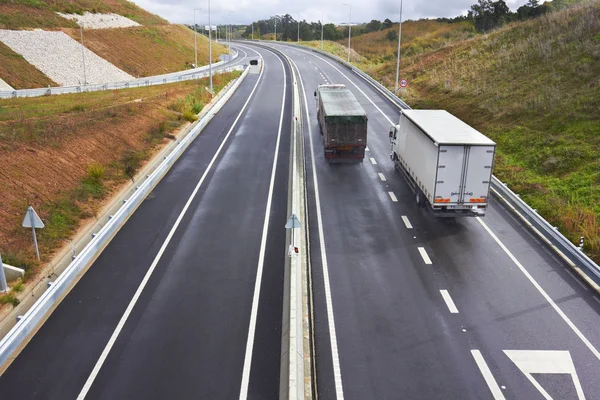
x,y
581,240
32,220
293,223
3,284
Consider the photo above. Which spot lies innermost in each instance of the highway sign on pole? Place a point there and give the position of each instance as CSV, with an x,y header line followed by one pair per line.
x,y
403,83
32,220
293,223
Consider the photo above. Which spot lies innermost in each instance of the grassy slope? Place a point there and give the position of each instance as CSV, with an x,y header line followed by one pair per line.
x,y
51,149
533,87
26,14
145,51
18,73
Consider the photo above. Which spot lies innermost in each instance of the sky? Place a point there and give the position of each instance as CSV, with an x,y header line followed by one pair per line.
x,y
333,11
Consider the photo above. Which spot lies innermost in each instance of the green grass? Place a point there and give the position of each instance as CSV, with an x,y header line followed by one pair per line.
x,y
9,298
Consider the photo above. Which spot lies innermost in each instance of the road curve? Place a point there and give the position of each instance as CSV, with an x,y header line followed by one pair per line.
x,y
426,308
186,301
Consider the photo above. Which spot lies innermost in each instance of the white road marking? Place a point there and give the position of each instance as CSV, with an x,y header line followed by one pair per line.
x,y
337,374
393,197
487,375
261,257
382,177
449,301
407,222
373,161
585,340
545,362
424,255
92,377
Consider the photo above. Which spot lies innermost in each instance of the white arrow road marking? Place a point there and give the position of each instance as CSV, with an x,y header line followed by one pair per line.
x,y
545,362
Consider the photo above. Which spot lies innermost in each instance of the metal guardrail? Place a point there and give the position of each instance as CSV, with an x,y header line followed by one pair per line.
x,y
172,77
19,334
571,254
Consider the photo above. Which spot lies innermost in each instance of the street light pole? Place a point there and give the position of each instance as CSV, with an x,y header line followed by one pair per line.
x,y
321,29
210,48
298,28
275,28
399,41
253,31
83,56
195,34
349,28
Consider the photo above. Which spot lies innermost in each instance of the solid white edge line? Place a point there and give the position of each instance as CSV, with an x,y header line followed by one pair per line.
x,y
89,382
407,222
393,197
382,177
589,345
261,258
373,161
425,255
449,302
487,375
337,374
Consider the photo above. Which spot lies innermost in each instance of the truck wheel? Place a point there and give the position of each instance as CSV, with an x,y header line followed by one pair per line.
x,y
419,199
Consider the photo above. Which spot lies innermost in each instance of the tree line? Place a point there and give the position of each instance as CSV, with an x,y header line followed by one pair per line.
x,y
485,15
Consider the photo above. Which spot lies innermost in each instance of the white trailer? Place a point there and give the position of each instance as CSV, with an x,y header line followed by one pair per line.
x,y
447,163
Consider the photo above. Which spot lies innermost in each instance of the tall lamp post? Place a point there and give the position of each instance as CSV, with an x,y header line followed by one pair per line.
x,y
195,34
275,39
349,28
298,28
399,41
210,48
321,28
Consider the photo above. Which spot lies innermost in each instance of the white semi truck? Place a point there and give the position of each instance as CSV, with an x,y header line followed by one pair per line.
x,y
447,163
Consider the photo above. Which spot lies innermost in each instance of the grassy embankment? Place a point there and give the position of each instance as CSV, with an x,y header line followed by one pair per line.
x,y
534,88
149,50
65,155
28,14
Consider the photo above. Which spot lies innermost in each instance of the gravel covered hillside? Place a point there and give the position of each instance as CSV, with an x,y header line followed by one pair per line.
x,y
60,57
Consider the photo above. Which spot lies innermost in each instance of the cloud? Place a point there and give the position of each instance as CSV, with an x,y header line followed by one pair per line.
x,y
246,11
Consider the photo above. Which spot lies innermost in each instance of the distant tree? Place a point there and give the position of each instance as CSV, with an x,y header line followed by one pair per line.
x,y
373,26
392,36
488,14
330,32
387,23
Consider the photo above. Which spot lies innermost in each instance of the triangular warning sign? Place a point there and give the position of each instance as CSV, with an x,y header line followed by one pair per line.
x,y
32,219
293,222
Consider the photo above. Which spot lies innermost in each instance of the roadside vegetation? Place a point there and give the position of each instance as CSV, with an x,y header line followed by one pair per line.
x,y
149,50
27,14
65,155
531,85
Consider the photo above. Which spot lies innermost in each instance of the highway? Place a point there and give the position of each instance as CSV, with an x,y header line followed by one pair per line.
x,y
410,306
186,301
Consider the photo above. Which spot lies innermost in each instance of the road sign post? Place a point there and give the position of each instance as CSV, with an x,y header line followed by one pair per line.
x,y
293,223
32,220
3,284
